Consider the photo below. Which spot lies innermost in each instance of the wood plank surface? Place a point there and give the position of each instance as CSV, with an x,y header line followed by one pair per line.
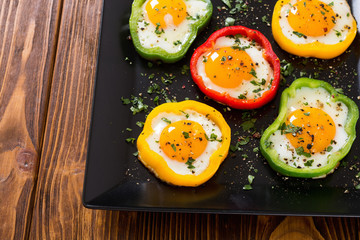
x,y
58,212
29,81
28,34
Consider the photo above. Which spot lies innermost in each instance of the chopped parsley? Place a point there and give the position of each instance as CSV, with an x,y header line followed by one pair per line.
x,y
151,76
213,137
227,3
125,101
240,5
247,187
173,147
229,21
153,88
241,96
309,163
157,29
255,83
243,141
250,180
267,143
253,72
168,79
234,148
186,135
264,19
300,35
137,104
185,69
166,120
287,69
190,163
300,151
178,42
140,124
248,124
257,90
235,47
130,140
186,114
156,100
291,128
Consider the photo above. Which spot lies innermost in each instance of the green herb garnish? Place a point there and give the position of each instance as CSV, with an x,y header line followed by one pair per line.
x,y
300,35
190,163
166,120
300,151
186,135
130,140
253,72
309,163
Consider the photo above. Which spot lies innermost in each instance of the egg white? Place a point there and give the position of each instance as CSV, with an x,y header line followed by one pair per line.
x,y
263,69
318,98
340,7
149,39
200,163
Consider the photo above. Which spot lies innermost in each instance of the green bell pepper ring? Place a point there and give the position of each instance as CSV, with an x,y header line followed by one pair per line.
x,y
333,159
139,23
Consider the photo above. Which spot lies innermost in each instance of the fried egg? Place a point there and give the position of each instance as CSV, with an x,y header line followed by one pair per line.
x,y
167,24
236,66
314,129
184,143
313,28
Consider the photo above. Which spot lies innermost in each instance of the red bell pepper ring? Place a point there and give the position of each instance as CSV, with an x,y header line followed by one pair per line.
x,y
224,97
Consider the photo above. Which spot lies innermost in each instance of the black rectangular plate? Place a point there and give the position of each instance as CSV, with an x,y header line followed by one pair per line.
x,y
115,179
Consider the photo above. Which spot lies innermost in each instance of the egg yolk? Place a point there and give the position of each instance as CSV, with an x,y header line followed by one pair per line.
x,y
311,18
310,128
183,140
161,12
228,67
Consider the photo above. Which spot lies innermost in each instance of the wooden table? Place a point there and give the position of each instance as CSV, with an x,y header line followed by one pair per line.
x,y
48,51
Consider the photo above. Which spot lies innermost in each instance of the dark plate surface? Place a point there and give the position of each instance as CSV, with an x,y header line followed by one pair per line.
x,y
115,179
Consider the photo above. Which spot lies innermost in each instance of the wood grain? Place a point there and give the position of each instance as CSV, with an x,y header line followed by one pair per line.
x,y
58,212
28,34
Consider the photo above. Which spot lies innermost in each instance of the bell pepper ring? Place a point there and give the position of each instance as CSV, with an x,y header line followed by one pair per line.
x,y
316,125
164,30
184,143
223,96
327,37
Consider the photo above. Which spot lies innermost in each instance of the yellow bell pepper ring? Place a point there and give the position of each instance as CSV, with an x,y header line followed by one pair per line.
x,y
313,28
184,143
